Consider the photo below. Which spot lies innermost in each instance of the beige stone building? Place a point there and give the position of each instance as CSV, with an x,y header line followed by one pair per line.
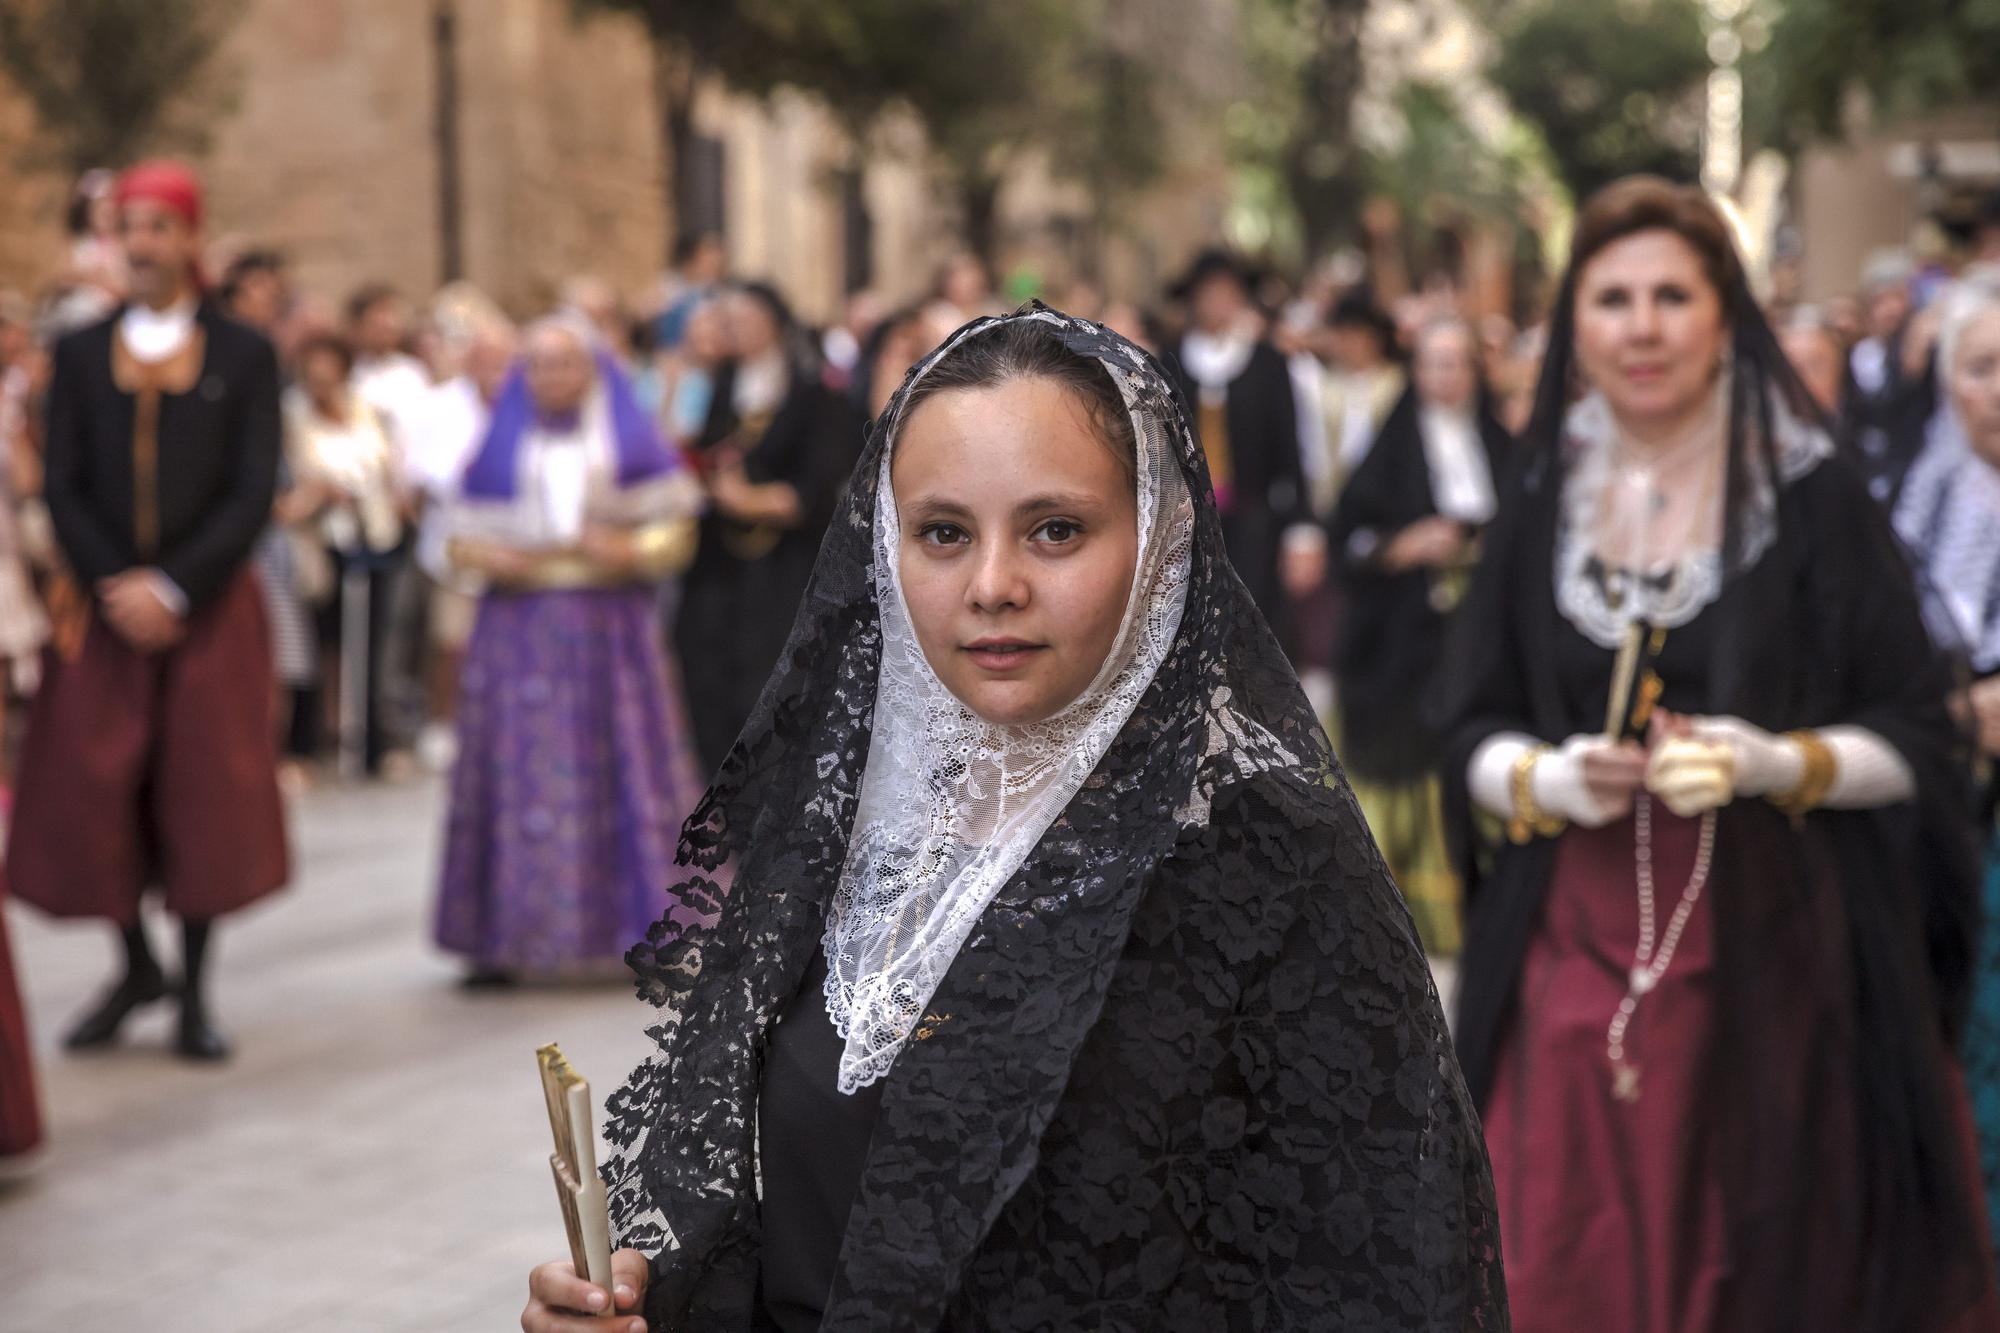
x,y
1876,188
502,141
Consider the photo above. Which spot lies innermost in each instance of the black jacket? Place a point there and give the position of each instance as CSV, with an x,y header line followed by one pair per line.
x,y
1267,483
219,445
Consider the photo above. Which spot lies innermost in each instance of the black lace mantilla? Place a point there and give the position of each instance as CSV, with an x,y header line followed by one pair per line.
x,y
1194,1074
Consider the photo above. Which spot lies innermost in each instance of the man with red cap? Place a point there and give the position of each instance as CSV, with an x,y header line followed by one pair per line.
x,y
149,761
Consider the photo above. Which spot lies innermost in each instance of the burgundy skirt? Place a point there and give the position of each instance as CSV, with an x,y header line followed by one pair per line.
x,y
1612,1211
154,771
20,1114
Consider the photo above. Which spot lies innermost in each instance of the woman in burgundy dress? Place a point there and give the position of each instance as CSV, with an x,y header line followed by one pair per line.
x,y
1714,970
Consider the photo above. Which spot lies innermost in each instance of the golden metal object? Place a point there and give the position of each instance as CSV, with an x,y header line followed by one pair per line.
x,y
585,1209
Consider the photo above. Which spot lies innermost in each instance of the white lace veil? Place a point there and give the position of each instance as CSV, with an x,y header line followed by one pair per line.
x,y
951,805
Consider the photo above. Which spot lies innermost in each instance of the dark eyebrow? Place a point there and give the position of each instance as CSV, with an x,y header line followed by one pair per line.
x,y
1056,500
1039,504
936,504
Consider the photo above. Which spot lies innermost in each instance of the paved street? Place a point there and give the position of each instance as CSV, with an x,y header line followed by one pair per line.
x,y
374,1159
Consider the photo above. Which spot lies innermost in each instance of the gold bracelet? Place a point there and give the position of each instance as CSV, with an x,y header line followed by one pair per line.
x,y
1815,781
1530,820
664,548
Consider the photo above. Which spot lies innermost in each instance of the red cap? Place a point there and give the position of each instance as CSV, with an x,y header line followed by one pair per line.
x,y
166,183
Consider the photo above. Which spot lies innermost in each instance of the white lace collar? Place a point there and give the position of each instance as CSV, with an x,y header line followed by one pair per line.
x,y
951,805
1604,603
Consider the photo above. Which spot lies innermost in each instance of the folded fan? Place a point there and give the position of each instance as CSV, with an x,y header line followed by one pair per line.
x,y
586,1214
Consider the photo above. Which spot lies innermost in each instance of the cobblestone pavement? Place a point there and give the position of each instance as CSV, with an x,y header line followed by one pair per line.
x,y
374,1160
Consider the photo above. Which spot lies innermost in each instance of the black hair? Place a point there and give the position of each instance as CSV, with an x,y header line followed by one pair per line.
x,y
774,303
327,344
1030,349
245,266
1357,310
687,246
367,297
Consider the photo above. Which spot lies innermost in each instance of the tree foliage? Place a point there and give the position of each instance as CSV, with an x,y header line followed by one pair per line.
x,y
111,80
1911,55
1614,86
1440,172
986,80
1295,128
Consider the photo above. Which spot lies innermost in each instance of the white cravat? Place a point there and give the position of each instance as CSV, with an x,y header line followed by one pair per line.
x,y
154,335
1214,361
1461,478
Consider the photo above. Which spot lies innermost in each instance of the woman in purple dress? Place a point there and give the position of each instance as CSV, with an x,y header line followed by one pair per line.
x,y
574,766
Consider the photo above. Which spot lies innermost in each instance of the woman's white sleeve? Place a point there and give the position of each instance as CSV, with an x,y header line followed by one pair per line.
x,y
1868,771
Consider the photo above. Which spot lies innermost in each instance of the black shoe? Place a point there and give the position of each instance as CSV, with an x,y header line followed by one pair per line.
x,y
198,1038
100,1026
488,978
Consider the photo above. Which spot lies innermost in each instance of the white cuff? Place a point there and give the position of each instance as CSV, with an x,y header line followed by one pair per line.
x,y
168,592
1489,777
1868,771
1556,784
1305,537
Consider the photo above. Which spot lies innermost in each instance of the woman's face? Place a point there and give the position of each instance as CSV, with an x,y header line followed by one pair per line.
x,y
1649,330
707,337
1019,535
325,377
1444,370
559,371
1975,382
753,330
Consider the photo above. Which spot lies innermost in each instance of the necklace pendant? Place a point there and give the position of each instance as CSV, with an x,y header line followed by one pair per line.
x,y
1625,1082
1642,980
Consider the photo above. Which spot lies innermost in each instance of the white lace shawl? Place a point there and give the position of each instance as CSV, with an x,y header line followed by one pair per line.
x,y
951,805
1672,592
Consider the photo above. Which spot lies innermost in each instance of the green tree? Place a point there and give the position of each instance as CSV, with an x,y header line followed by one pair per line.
x,y
111,80
986,80
1294,134
1911,55
1614,86
1441,174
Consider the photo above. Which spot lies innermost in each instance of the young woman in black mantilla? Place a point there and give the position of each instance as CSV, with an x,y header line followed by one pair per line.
x,y
1711,982
1033,955
1404,539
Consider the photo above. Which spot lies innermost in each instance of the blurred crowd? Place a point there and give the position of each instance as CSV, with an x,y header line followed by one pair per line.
x,y
558,556
388,393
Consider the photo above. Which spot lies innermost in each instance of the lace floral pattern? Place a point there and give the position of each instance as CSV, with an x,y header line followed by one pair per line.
x,y
1186,1069
1603,603
952,805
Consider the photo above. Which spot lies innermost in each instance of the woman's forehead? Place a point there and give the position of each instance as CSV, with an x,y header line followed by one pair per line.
x,y
1019,434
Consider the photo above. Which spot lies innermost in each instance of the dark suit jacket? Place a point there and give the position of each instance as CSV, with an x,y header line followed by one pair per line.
x,y
1269,484
219,445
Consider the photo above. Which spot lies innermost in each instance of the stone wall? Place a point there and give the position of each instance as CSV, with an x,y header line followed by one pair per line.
x,y
1853,197
330,151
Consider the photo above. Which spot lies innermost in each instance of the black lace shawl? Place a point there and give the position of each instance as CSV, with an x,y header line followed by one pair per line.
x,y
1188,1072
1853,926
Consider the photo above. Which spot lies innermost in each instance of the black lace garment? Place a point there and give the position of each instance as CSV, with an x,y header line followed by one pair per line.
x,y
1855,926
1188,1072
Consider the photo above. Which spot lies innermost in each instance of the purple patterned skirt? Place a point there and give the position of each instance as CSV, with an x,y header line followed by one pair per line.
x,y
575,771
